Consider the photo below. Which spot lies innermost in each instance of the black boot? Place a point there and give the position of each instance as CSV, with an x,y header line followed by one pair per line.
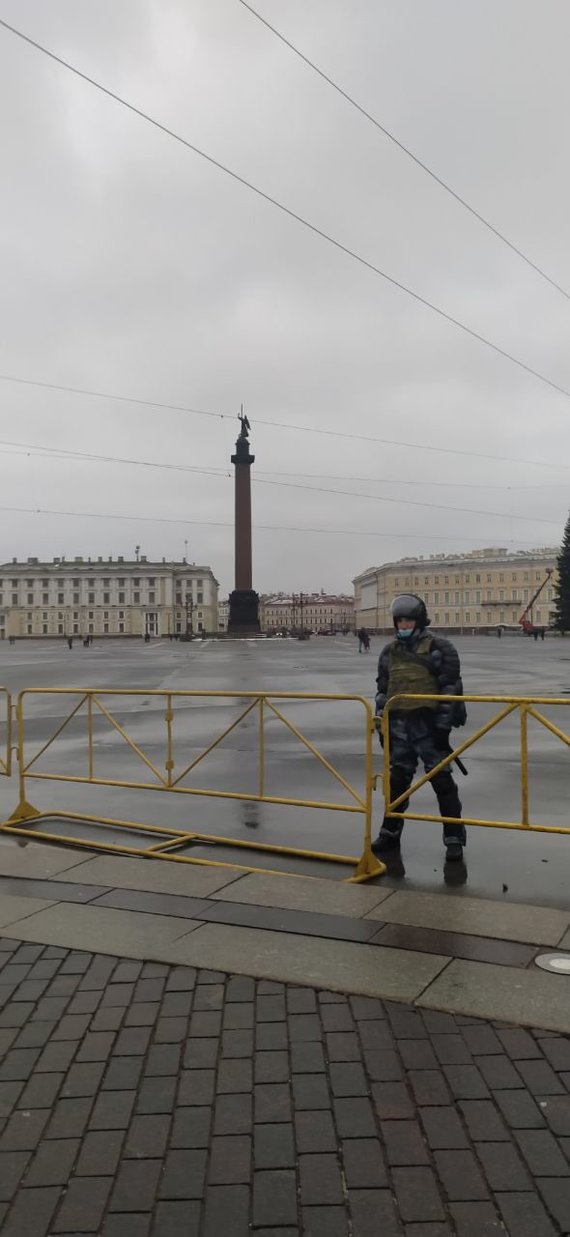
x,y
386,842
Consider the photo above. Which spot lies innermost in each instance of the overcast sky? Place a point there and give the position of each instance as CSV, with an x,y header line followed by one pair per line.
x,y
132,266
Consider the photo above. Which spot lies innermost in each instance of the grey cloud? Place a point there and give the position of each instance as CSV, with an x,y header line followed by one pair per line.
x,y
131,266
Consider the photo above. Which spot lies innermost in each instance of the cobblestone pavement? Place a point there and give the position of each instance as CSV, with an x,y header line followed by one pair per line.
x,y
139,1099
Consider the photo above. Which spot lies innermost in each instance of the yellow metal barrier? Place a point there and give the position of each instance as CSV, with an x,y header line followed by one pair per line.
x,y
91,704
6,745
525,707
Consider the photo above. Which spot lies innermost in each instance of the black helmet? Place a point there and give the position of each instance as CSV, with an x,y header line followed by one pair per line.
x,y
409,606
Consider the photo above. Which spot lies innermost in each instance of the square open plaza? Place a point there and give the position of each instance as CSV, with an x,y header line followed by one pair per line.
x,y
503,862
199,1049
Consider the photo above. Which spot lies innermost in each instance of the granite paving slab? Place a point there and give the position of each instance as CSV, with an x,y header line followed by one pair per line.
x,y
305,894
304,922
53,890
393,973
535,925
101,929
35,860
530,997
154,875
565,942
455,944
14,908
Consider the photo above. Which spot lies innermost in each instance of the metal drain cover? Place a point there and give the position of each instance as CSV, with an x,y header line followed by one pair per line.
x,y
558,963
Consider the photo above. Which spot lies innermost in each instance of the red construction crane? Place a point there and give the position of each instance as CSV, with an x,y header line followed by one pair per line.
x,y
526,617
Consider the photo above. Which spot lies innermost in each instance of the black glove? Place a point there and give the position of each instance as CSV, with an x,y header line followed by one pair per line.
x,y
441,740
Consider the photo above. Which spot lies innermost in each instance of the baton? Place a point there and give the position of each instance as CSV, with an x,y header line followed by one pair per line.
x,y
459,763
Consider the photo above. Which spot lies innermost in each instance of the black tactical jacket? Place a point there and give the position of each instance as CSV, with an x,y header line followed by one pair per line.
x,y
444,664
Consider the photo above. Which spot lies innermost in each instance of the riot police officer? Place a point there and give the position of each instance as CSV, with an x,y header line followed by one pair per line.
x,y
419,663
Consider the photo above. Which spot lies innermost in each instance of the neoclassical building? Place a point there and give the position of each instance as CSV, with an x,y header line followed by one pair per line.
x,y
106,597
463,592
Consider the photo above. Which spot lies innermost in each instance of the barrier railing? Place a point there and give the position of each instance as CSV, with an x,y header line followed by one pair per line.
x,y
173,778
525,706
6,731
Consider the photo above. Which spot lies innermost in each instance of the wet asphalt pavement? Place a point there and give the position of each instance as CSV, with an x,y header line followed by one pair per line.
x,y
534,867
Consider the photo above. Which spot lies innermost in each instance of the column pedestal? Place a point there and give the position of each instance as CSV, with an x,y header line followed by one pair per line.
x,y
244,612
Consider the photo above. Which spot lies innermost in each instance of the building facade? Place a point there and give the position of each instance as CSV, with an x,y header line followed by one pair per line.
x,y
223,615
106,597
468,592
316,612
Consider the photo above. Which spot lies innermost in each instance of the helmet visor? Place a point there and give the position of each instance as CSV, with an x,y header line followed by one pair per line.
x,y
406,606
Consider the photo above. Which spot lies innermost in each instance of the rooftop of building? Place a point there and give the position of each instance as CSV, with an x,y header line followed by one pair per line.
x,y
309,599
78,561
488,555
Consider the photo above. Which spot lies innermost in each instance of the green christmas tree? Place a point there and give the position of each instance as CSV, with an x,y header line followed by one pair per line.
x,y
562,587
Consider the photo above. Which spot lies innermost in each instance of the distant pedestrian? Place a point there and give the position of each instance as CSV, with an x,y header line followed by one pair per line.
x,y
70,642
363,640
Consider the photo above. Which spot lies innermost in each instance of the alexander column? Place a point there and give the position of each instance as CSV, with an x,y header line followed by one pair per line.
x,y
244,602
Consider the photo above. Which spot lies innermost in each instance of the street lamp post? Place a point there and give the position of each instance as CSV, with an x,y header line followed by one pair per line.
x,y
189,609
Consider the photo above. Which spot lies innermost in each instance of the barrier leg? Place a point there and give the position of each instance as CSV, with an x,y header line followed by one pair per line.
x,y
24,811
367,867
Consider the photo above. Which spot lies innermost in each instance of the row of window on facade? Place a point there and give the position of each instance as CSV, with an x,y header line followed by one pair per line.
x,y
467,617
476,595
90,599
408,581
121,581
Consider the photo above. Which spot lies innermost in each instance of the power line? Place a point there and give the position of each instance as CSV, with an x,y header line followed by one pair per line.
x,y
286,210
28,448
411,502
405,149
275,528
57,453
316,489
446,485
282,425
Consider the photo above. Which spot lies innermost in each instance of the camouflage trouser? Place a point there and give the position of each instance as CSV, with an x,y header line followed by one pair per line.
x,y
411,739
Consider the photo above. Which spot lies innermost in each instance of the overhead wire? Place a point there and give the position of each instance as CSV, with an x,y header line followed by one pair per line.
x,y
317,489
411,502
283,425
278,528
405,149
288,211
32,449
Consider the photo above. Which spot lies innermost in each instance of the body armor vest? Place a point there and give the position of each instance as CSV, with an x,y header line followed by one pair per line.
x,y
406,676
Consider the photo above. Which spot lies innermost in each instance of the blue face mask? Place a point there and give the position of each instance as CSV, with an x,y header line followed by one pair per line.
x,y
405,633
